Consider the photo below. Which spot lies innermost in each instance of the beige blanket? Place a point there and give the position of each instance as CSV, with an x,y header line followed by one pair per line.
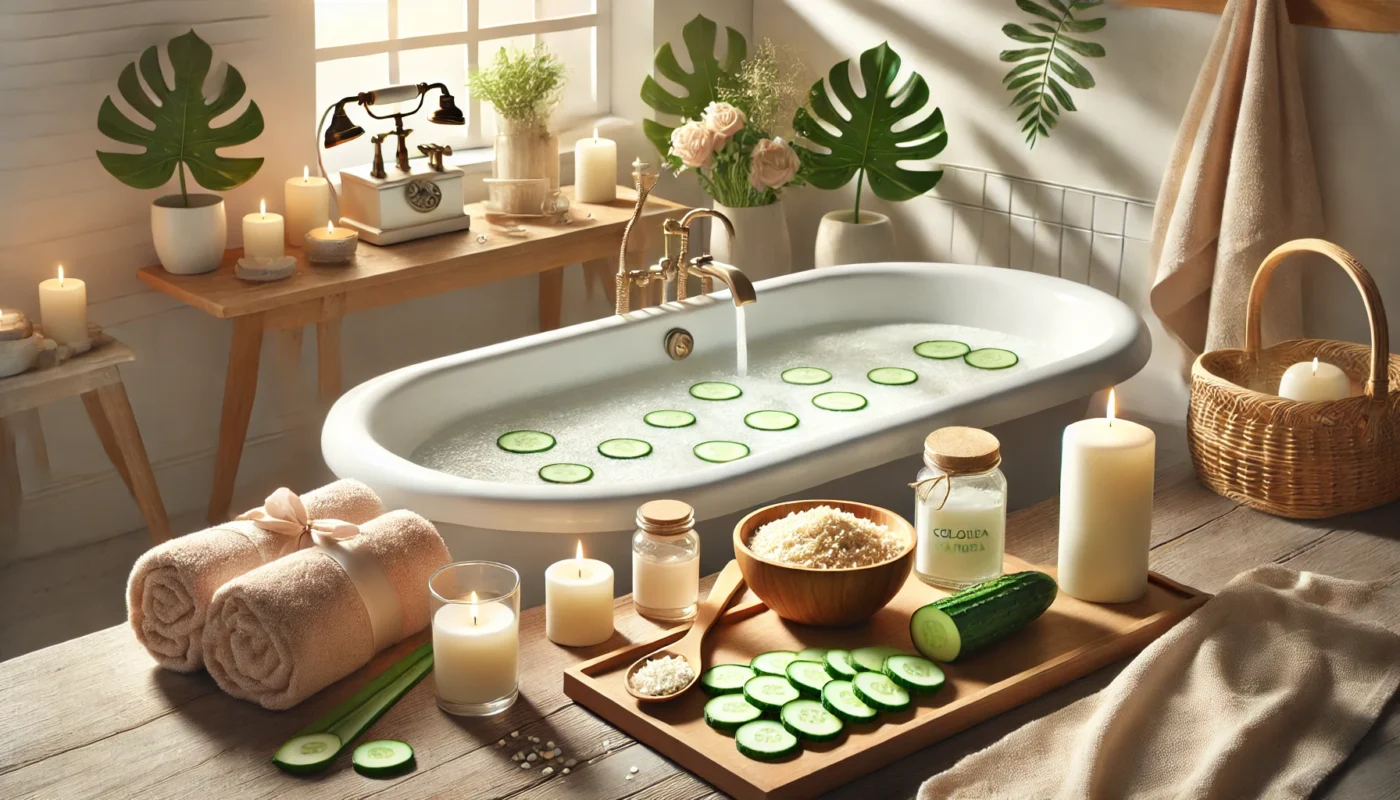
x,y
1240,182
1260,693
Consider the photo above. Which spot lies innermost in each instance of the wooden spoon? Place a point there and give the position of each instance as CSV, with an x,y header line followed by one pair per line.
x,y
724,590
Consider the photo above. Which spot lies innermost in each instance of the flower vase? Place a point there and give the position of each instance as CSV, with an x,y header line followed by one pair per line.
x,y
840,240
525,172
761,246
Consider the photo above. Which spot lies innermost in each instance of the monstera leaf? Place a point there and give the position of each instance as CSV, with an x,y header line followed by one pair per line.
x,y
864,143
700,87
182,134
1051,59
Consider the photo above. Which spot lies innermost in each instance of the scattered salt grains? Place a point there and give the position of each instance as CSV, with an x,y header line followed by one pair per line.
x,y
515,734
825,538
629,777
566,771
606,744
663,676
573,762
534,740
531,757
634,770
550,745
524,765
547,771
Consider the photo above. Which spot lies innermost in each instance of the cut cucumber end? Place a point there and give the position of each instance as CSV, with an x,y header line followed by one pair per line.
x,y
720,452
565,473
941,350
625,448
770,420
840,401
303,755
669,419
715,390
991,358
892,376
935,635
806,376
383,758
525,442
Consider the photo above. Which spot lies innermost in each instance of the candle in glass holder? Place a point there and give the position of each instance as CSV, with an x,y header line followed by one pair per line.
x,y
578,601
595,170
262,234
308,203
331,245
63,309
1311,382
476,637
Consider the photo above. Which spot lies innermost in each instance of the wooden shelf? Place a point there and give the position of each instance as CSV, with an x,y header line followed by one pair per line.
x,y
1375,16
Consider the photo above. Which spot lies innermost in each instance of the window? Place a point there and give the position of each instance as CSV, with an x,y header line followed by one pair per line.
x,y
363,45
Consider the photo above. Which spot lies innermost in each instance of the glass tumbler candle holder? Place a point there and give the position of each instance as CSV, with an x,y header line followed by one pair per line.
x,y
476,637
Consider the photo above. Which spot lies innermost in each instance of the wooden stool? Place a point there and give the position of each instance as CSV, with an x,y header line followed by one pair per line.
x,y
93,375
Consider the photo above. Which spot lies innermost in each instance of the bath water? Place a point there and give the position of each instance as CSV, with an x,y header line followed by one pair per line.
x,y
580,418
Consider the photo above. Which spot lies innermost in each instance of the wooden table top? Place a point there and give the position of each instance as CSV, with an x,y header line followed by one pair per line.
x,y
95,717
47,383
221,294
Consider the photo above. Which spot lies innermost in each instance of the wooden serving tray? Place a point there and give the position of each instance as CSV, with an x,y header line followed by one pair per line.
x,y
1072,639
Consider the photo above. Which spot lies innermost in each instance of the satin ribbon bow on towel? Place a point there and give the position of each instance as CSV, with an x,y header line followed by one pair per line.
x,y
285,514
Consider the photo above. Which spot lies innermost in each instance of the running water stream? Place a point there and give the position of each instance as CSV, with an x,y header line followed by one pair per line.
x,y
741,343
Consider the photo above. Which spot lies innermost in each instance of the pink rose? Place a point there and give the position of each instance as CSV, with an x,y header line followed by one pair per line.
x,y
693,144
773,164
725,120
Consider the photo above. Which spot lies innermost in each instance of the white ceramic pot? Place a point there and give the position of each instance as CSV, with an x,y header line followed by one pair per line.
x,y
841,241
189,240
761,247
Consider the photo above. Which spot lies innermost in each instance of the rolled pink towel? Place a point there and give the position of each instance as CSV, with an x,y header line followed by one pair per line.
x,y
290,628
168,593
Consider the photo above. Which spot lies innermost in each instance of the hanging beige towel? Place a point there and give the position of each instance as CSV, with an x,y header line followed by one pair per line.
x,y
1240,181
1260,693
168,593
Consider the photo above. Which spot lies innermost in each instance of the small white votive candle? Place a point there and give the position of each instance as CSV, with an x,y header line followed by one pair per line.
x,y
578,601
262,234
308,203
1313,381
595,170
63,309
331,245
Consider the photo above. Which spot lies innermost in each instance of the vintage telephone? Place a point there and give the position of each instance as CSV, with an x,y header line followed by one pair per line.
x,y
408,200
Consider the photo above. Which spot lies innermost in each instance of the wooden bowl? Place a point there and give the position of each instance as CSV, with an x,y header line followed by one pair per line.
x,y
824,597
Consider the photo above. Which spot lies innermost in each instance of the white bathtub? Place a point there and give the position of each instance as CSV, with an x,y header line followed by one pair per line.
x,y
375,426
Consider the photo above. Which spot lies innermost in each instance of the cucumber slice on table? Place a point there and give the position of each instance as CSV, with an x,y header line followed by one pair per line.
x,y
941,350
625,448
963,623
773,662
720,452
306,754
879,692
765,740
669,419
725,679
839,401
839,666
525,442
769,692
918,675
382,758
808,677
806,376
892,376
770,420
872,659
817,654
809,720
839,698
730,712
715,390
565,473
991,358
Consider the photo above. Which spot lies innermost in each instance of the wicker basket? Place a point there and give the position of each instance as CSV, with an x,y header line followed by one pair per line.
x,y
1294,459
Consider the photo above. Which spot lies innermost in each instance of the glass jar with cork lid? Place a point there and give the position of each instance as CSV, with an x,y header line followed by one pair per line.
x,y
666,561
960,509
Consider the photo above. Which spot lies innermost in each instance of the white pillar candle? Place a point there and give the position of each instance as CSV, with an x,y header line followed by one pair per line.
x,y
476,652
262,234
578,601
595,170
1106,476
308,203
1311,382
63,308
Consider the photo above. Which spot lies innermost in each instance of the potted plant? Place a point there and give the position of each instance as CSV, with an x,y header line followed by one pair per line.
x,y
190,230
734,115
866,145
524,86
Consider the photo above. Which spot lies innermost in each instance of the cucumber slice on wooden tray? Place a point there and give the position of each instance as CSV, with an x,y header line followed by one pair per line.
x,y
839,666
808,720
941,350
872,659
720,452
808,677
773,662
991,358
879,692
918,675
730,712
839,401
817,654
770,420
669,418
525,442
949,629
765,740
892,376
725,679
806,376
625,448
769,692
306,754
383,758
839,698
715,390
565,473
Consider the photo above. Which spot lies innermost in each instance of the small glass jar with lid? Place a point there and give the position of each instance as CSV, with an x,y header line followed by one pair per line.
x,y
960,509
666,561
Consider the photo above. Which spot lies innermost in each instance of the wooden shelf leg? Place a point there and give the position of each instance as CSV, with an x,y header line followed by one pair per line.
x,y
107,436
328,377
551,298
28,423
130,456
10,491
240,387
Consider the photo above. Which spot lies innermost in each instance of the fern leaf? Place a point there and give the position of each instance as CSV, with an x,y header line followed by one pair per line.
x,y
1043,71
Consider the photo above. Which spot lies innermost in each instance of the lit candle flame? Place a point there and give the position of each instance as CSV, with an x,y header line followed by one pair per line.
x,y
305,174
1112,406
60,274
473,608
595,134
330,227
262,207
578,555
1314,366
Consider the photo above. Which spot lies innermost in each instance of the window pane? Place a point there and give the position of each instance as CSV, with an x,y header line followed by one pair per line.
x,y
423,17
575,49
351,22
505,12
564,8
485,54
446,65
344,77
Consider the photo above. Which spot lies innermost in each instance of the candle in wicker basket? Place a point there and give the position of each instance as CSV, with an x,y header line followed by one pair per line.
x,y
1313,382
331,245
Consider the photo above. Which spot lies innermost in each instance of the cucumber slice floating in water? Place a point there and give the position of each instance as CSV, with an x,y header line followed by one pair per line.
x,y
879,692
669,419
720,452
839,401
383,758
807,719
565,473
918,675
941,350
872,659
525,442
991,358
808,677
729,712
806,376
769,692
625,448
839,666
305,754
726,678
715,390
839,698
892,376
770,420
765,740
